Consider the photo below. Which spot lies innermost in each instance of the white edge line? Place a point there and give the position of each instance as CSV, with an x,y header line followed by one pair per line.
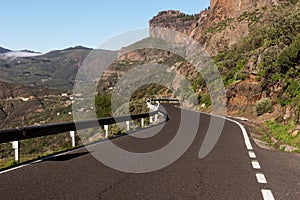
x,y
51,156
41,160
245,134
12,169
267,194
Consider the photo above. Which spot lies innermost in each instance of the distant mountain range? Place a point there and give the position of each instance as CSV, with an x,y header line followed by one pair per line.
x,y
3,50
56,69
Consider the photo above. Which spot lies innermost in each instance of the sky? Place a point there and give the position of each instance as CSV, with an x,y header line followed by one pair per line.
x,y
48,25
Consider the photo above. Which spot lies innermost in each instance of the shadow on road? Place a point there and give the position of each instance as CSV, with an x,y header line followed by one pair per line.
x,y
67,157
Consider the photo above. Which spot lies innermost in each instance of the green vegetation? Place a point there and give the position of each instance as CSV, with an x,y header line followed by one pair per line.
x,y
222,25
31,149
205,98
272,47
264,106
281,132
103,106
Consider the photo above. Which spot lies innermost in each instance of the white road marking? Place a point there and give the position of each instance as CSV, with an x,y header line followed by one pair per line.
x,y
12,169
256,165
252,154
245,134
40,160
267,194
261,178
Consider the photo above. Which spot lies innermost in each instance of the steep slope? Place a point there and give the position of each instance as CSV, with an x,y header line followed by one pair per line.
x,y
56,69
256,45
219,27
22,105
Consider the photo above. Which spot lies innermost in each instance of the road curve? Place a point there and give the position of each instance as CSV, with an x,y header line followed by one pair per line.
x,y
227,172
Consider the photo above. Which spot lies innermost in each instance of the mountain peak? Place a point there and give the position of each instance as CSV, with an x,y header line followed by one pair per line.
x,y
78,47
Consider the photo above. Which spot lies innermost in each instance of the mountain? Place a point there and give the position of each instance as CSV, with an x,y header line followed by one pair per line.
x,y
56,69
256,46
3,50
18,103
254,43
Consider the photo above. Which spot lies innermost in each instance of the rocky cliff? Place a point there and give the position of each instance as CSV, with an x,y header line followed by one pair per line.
x,y
256,46
256,31
217,28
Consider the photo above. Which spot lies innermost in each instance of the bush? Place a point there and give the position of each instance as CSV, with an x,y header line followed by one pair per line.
x,y
103,106
263,106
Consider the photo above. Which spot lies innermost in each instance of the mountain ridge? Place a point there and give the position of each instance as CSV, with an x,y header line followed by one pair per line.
x,y
3,50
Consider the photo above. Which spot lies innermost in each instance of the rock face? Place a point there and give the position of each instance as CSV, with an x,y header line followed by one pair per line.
x,y
216,29
223,9
222,27
175,20
241,97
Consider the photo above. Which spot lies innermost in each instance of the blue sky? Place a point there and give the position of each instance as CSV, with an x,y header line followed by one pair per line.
x,y
57,24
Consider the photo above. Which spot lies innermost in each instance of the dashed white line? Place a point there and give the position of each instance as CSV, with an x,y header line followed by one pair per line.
x,y
252,154
261,178
256,165
267,195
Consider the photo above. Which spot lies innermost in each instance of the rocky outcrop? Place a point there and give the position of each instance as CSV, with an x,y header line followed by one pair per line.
x,y
175,20
218,28
242,96
223,9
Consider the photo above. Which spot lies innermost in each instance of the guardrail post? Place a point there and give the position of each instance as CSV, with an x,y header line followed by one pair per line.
x,y
15,146
72,134
143,122
151,120
106,131
128,125
156,118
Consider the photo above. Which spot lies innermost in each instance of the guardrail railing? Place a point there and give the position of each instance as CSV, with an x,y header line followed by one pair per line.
x,y
17,134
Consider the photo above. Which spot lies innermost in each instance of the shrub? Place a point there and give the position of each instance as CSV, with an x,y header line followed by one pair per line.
x,y
263,106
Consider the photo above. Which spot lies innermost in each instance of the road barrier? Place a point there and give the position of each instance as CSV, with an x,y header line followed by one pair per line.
x,y
17,134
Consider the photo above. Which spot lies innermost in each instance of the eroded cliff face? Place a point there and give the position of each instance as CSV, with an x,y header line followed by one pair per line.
x,y
220,28
222,9
217,28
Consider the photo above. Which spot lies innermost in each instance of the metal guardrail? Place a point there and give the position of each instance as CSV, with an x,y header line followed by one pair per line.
x,y
18,134
164,100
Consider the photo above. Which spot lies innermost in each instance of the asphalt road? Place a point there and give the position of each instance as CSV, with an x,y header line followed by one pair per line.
x,y
226,173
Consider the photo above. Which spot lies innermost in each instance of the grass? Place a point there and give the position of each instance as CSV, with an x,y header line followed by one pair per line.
x,y
281,133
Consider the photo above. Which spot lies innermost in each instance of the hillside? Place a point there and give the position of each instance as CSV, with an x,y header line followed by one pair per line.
x,y
255,45
24,105
56,69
